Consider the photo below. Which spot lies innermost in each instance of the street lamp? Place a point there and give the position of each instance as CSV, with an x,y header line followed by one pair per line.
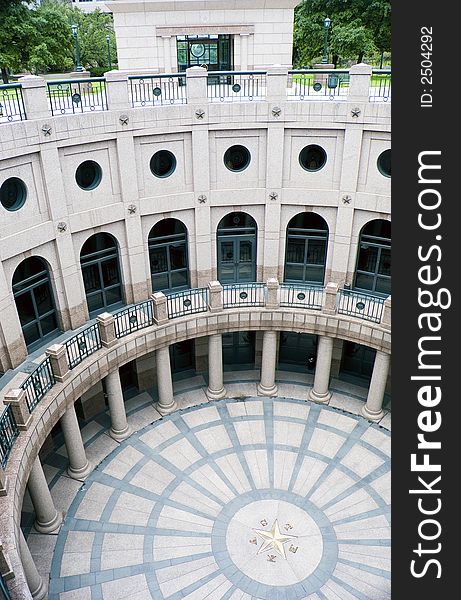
x,y
326,27
108,52
78,66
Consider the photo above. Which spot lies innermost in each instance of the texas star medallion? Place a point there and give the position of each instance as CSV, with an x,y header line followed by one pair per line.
x,y
274,539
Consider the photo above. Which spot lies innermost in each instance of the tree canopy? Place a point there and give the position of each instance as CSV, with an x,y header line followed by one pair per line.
x,y
38,38
359,28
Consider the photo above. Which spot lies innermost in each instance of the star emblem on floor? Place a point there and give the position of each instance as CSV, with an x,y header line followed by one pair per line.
x,y
274,540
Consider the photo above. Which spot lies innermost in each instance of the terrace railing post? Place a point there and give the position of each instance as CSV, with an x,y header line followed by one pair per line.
x,y
386,318
3,492
359,85
215,296
5,566
160,308
118,97
106,326
36,103
331,293
273,298
21,414
58,359
277,82
196,88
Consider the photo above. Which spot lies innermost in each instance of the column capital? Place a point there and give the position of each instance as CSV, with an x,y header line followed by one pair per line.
x,y
106,326
331,292
160,308
215,296
17,398
273,287
58,358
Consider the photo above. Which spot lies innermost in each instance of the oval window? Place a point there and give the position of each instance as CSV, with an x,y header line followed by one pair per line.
x,y
384,163
88,175
237,158
312,158
13,193
163,163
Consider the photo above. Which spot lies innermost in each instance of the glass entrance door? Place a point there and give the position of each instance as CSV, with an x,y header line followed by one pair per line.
x,y
214,51
298,349
238,349
237,260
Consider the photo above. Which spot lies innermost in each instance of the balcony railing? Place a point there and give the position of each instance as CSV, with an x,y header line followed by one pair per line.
x,y
82,345
244,294
187,302
8,433
72,96
236,86
380,86
360,305
301,296
318,84
157,90
134,318
38,383
11,103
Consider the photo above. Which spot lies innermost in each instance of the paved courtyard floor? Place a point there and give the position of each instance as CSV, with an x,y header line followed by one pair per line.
x,y
242,499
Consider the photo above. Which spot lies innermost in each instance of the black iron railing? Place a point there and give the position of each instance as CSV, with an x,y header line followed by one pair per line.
x,y
360,305
157,90
187,302
133,318
77,95
38,383
312,84
8,433
301,295
244,294
380,85
81,345
11,103
236,86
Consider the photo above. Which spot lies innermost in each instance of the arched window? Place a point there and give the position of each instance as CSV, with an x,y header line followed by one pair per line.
x,y
373,272
236,238
34,300
168,257
306,249
101,272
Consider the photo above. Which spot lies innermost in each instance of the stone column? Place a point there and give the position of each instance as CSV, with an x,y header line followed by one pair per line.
x,y
79,466
47,518
119,428
359,86
277,82
167,53
373,409
36,103
118,97
244,51
267,385
215,389
197,87
166,402
37,586
320,392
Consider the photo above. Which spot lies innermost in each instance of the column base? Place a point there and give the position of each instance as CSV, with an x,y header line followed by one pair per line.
x,y
121,435
166,409
265,391
80,474
215,395
370,415
41,593
51,526
319,398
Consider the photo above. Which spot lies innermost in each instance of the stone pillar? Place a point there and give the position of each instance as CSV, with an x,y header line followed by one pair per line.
x,y
387,314
272,299
215,389
37,586
119,428
244,51
47,518
277,82
359,85
106,326
196,89
36,103
160,308
320,392
58,359
117,90
166,402
267,385
215,296
5,565
79,466
331,293
373,409
167,54
21,414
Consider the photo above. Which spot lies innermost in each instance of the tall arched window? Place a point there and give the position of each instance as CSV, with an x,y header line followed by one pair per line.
x,y
306,249
236,238
101,272
373,272
168,257
34,300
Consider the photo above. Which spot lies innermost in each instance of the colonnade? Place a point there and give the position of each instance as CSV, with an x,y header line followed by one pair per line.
x,y
48,519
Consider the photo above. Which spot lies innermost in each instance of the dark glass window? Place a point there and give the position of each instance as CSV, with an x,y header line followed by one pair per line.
x,y
168,256
236,237
373,272
306,249
101,272
34,300
312,158
237,158
384,163
13,193
214,51
88,175
163,163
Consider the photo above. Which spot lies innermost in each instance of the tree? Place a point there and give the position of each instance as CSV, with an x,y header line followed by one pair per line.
x,y
359,28
92,30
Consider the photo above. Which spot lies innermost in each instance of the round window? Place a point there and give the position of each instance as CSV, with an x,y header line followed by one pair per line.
x,y
384,163
312,158
237,158
88,175
163,163
13,193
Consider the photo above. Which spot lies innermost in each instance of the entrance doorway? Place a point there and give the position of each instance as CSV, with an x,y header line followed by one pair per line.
x,y
298,351
237,248
238,350
214,51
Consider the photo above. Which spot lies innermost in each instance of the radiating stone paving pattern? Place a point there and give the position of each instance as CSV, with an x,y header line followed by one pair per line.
x,y
173,512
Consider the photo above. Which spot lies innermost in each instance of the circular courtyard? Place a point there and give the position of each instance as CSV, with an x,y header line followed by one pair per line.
x,y
262,498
